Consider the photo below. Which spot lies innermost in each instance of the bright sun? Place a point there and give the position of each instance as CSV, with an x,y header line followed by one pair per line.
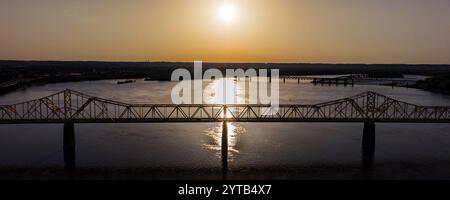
x,y
227,13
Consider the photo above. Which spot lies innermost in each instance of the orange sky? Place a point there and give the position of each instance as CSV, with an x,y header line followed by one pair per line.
x,y
344,31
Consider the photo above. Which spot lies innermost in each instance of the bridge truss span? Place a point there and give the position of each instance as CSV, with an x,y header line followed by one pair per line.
x,y
76,107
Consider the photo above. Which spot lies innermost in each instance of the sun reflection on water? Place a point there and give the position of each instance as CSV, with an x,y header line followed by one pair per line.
x,y
215,139
214,134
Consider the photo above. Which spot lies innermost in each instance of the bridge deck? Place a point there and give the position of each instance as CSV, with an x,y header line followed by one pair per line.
x,y
72,106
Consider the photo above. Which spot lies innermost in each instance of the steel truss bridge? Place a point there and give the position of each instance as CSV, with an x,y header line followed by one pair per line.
x,y
76,107
69,107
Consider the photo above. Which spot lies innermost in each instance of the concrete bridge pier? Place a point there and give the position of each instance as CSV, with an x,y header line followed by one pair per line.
x,y
224,149
69,146
368,146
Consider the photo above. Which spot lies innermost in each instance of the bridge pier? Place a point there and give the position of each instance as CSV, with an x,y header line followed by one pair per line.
x,y
69,146
368,146
224,149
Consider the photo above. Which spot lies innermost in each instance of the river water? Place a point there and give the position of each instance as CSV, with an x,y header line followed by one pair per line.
x,y
256,150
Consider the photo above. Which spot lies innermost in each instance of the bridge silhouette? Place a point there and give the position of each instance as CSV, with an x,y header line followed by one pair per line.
x,y
69,107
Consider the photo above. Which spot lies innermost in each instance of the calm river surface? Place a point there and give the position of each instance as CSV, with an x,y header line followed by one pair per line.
x,y
257,150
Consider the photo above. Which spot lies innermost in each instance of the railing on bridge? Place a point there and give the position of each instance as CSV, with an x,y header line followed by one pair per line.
x,y
72,106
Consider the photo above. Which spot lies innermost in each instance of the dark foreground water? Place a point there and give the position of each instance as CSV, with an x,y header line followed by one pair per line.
x,y
256,150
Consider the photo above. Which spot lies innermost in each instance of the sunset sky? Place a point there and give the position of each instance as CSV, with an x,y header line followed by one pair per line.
x,y
331,31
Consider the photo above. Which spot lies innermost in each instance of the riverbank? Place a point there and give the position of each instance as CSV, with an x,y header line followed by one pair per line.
x,y
13,85
21,74
440,84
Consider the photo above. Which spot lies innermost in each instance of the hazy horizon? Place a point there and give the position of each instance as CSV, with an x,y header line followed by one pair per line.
x,y
254,31
221,62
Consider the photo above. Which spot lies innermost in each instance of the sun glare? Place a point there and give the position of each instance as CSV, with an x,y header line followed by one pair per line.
x,y
227,13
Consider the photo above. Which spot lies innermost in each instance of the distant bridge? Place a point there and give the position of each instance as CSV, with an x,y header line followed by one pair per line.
x,y
71,107
333,80
349,76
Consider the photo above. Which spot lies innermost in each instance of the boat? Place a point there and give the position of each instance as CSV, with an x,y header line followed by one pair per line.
x,y
125,81
147,79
